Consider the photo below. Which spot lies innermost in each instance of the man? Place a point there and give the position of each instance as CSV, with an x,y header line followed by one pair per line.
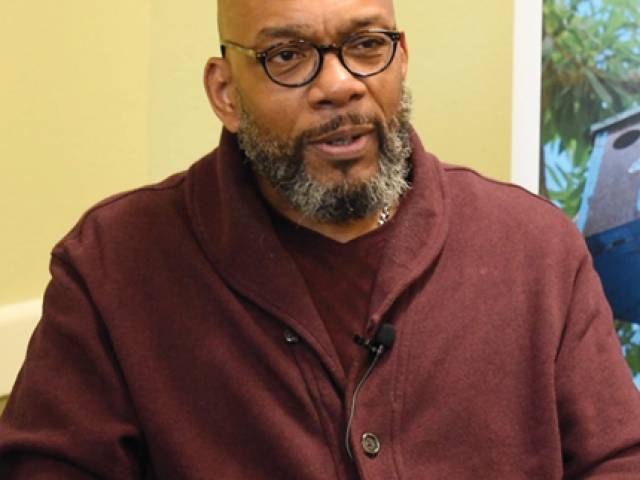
x,y
203,328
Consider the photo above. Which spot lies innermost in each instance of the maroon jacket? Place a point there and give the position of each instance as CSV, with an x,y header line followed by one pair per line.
x,y
178,341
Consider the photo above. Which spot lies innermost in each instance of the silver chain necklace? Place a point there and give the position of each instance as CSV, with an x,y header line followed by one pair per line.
x,y
384,216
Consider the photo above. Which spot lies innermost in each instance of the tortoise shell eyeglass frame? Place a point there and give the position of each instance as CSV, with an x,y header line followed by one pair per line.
x,y
263,55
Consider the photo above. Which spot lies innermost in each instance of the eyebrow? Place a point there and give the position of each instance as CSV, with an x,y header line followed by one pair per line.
x,y
302,30
291,30
377,20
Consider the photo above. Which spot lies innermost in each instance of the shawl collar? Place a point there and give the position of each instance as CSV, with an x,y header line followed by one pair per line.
x,y
235,231
418,236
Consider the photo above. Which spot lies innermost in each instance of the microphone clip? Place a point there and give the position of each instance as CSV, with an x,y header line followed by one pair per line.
x,y
368,344
382,342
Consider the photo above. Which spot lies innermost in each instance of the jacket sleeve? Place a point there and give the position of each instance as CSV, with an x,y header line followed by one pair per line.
x,y
69,415
598,404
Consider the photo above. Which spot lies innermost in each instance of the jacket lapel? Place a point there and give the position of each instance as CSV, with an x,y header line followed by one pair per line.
x,y
418,236
237,235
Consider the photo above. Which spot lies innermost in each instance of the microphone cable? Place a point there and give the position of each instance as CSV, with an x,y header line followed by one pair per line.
x,y
383,341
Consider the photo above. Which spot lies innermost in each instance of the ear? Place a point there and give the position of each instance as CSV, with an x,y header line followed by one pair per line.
x,y
403,48
219,86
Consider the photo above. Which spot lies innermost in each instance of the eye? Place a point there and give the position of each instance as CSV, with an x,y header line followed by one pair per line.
x,y
287,54
368,42
367,47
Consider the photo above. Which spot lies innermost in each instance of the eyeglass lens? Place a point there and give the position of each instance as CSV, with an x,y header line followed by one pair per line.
x,y
296,62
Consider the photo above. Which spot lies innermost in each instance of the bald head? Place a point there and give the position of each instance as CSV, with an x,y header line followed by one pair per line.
x,y
225,8
241,20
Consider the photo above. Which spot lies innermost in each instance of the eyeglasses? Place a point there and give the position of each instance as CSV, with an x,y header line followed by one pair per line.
x,y
298,62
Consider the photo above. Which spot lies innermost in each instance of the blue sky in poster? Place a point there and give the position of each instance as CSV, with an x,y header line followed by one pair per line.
x,y
557,160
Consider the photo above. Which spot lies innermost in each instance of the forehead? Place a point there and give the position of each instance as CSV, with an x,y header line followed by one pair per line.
x,y
251,20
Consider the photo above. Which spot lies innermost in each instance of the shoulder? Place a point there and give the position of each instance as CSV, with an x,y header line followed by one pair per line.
x,y
508,216
466,184
132,219
471,193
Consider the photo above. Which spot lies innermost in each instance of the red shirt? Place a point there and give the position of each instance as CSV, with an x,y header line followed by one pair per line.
x,y
340,278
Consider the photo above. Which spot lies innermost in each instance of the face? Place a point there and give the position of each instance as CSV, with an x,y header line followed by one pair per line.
x,y
336,148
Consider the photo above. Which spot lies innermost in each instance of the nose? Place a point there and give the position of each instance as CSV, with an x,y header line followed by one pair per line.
x,y
335,86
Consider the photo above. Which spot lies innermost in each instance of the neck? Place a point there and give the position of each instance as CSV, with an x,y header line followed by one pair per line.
x,y
342,233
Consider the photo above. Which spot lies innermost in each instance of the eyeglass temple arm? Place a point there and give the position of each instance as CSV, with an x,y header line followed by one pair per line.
x,y
244,50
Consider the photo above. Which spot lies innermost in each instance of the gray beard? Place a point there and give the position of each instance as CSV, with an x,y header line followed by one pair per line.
x,y
282,164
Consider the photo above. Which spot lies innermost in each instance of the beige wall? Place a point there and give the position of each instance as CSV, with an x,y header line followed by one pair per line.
x,y
183,127
460,73
101,96
73,122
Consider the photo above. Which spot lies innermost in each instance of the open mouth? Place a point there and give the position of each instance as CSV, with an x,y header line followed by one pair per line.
x,y
345,144
344,137
344,141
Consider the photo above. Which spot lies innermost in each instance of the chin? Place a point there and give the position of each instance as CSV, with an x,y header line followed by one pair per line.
x,y
333,173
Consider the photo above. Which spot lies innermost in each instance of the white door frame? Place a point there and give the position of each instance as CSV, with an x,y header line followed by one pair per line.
x,y
527,83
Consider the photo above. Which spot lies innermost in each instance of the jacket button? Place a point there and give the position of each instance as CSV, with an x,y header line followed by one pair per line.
x,y
370,444
291,337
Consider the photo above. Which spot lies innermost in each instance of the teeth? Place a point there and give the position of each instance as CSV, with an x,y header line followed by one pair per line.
x,y
342,141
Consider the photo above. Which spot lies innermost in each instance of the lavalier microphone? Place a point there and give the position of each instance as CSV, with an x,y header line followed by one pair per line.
x,y
381,342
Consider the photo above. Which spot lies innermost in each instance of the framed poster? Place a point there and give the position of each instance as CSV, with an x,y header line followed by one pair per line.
x,y
590,141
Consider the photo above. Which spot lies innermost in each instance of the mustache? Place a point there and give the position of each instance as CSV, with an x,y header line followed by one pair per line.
x,y
337,122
